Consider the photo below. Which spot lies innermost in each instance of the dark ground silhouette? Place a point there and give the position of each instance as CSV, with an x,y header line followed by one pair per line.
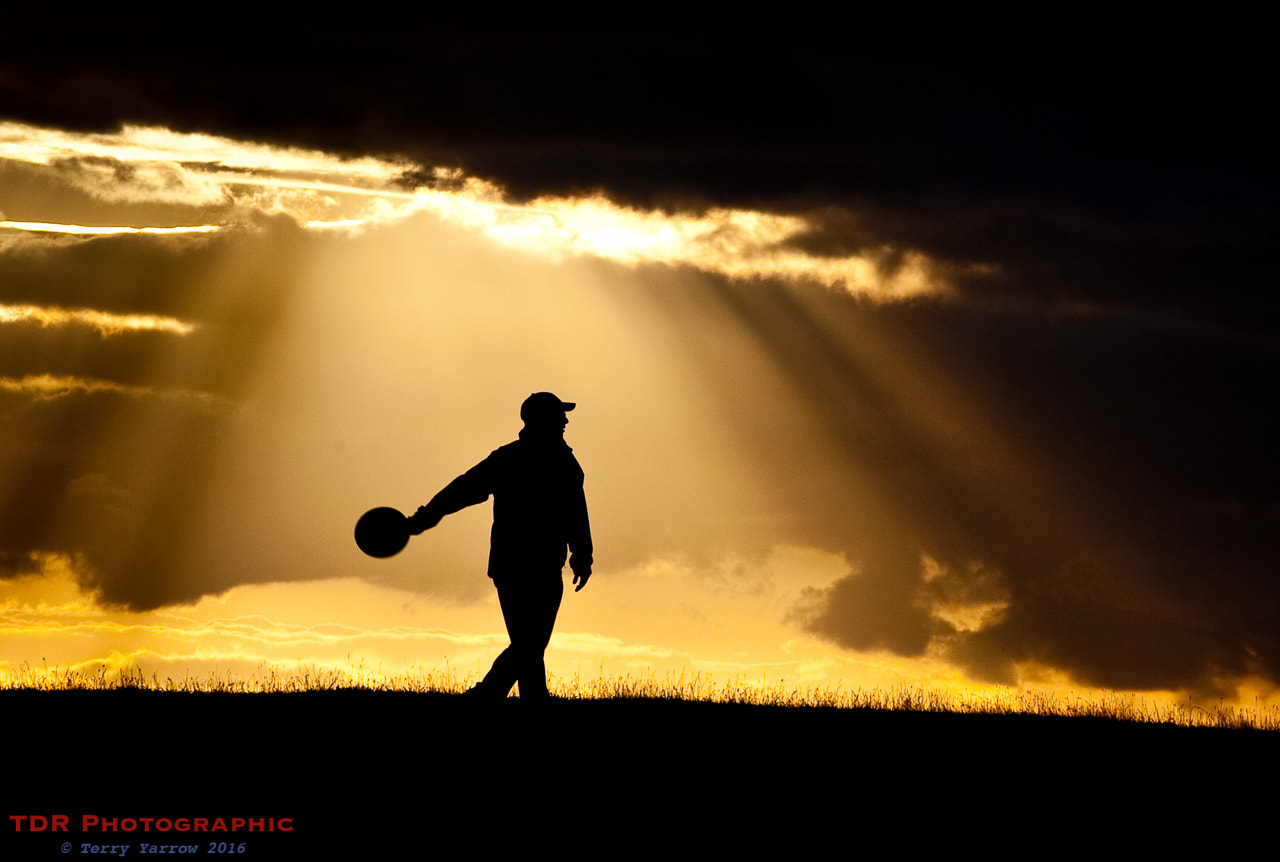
x,y
397,775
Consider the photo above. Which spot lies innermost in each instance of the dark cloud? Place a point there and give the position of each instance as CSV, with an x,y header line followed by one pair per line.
x,y
1124,166
230,287
113,482
18,564
1140,500
1104,199
108,466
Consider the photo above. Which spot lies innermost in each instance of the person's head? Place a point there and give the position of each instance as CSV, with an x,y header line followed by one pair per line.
x,y
543,412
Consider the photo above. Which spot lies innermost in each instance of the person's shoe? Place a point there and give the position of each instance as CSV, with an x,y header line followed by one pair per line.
x,y
480,691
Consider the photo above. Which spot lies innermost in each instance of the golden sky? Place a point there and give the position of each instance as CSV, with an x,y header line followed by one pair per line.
x,y
217,353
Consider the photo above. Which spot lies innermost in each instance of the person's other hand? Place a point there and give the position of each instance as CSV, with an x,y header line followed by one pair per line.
x,y
580,578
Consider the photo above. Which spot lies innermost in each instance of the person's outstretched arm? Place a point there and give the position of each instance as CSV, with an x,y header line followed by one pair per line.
x,y
468,489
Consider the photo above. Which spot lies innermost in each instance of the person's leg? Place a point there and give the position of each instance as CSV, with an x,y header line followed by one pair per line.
x,y
529,607
501,677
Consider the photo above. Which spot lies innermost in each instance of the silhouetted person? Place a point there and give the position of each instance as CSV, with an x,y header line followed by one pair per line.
x,y
539,519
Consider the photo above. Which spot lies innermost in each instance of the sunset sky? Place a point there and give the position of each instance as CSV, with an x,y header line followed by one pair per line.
x,y
926,360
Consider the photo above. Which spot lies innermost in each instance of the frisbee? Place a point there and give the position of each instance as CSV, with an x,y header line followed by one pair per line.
x,y
382,532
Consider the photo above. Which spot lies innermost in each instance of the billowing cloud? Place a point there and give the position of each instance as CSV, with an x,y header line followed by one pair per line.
x,y
104,322
156,167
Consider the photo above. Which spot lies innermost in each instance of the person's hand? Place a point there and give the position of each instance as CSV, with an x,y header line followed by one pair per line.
x,y
422,520
580,578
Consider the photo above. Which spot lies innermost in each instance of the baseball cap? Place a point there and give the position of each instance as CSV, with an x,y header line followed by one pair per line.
x,y
541,404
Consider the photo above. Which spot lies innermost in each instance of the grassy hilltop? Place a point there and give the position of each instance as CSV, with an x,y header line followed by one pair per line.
x,y
391,771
